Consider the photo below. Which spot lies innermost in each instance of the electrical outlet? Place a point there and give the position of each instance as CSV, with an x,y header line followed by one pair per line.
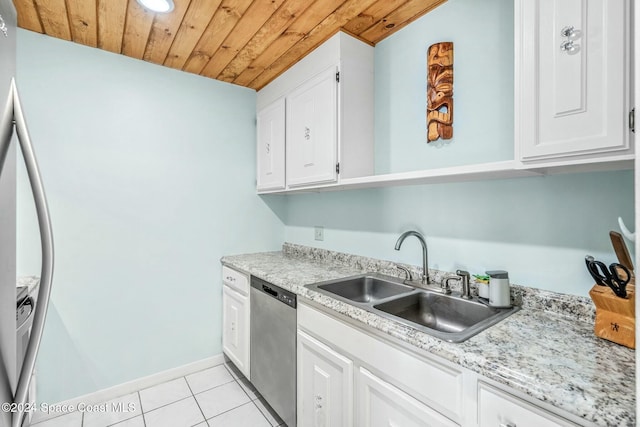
x,y
319,233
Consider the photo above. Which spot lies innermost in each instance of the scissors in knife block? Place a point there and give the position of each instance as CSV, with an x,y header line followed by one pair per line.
x,y
616,276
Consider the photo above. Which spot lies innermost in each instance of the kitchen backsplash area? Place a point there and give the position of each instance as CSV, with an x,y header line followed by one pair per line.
x,y
569,306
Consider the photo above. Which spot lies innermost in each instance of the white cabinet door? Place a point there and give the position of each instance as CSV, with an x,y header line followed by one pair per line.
x,y
499,409
312,114
270,147
382,405
235,328
325,385
572,63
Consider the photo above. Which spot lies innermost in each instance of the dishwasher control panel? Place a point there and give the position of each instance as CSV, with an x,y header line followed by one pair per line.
x,y
282,295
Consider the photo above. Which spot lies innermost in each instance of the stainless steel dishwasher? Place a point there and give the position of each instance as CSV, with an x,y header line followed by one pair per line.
x,y
273,347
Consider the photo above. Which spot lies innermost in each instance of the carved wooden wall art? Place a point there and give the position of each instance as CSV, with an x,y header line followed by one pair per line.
x,y
440,91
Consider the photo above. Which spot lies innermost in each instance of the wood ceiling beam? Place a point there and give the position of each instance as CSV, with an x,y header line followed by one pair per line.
x,y
270,31
223,21
193,25
319,34
249,24
136,30
111,18
53,16
399,18
83,18
375,13
163,32
28,15
246,42
298,30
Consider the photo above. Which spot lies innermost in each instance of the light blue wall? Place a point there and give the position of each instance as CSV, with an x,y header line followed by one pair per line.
x,y
150,176
482,35
538,229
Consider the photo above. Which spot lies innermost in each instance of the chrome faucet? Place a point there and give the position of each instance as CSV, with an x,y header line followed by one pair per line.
x,y
425,259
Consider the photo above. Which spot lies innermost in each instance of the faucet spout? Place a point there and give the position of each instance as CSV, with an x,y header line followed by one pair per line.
x,y
425,258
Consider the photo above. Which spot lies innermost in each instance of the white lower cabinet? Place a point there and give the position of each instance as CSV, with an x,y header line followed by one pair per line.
x,y
235,319
397,387
325,385
380,404
500,409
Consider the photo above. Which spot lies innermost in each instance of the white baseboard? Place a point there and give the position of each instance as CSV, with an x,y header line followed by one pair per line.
x,y
123,389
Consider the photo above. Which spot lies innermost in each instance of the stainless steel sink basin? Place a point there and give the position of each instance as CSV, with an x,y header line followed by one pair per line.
x,y
447,317
364,289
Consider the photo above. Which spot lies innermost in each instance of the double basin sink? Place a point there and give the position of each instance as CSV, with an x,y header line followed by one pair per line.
x,y
448,317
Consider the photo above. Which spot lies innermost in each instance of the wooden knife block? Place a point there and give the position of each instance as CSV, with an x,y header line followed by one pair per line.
x,y
615,316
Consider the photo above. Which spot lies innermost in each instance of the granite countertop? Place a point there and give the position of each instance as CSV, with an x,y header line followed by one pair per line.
x,y
29,281
550,354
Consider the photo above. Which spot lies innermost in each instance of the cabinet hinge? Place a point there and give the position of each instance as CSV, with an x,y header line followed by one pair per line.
x,y
338,76
632,120
338,168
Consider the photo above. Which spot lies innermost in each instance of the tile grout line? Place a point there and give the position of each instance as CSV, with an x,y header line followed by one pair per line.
x,y
237,380
144,421
204,417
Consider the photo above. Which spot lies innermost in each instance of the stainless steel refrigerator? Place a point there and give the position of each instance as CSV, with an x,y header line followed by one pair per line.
x,y
14,385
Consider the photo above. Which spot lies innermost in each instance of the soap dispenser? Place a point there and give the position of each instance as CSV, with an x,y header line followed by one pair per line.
x,y
499,289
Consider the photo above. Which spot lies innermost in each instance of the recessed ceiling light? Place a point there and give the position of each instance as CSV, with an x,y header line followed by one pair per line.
x,y
161,6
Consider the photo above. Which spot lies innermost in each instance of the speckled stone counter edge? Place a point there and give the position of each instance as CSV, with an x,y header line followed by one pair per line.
x,y
570,306
29,281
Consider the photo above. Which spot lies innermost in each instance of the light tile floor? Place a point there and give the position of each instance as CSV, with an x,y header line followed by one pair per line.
x,y
216,397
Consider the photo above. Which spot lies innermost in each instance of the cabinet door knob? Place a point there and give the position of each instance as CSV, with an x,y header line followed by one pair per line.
x,y
569,47
569,31
571,34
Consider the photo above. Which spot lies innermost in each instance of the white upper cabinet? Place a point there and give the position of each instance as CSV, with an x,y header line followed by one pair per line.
x,y
312,131
328,115
270,148
572,80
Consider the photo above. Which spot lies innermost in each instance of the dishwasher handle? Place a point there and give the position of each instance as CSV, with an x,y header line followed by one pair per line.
x,y
270,291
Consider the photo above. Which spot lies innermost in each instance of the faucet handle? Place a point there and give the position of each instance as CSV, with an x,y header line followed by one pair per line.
x,y
445,283
407,272
463,273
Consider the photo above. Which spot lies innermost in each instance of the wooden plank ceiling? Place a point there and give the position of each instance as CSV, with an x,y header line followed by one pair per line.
x,y
246,42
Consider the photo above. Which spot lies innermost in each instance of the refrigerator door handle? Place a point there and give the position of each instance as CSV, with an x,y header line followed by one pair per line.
x,y
6,128
46,274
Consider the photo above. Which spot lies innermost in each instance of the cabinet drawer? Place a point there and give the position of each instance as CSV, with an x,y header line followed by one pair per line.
x,y
497,408
236,280
380,404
